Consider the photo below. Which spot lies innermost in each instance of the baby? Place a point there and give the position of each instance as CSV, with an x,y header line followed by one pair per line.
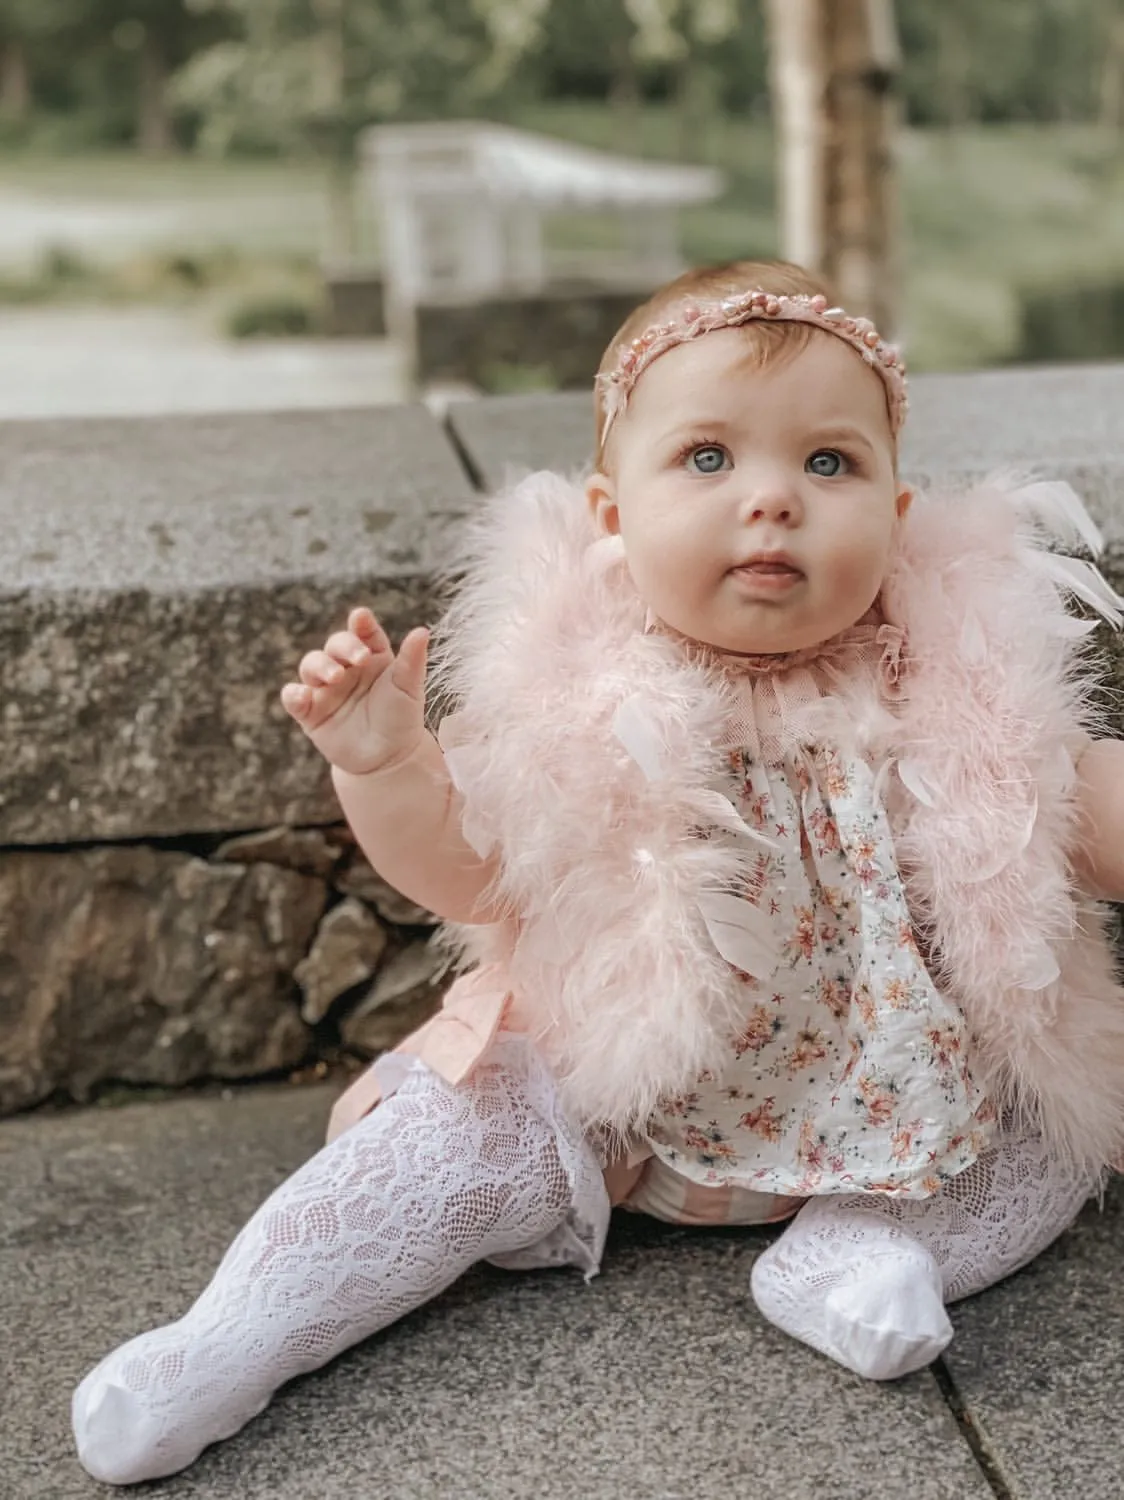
x,y
767,823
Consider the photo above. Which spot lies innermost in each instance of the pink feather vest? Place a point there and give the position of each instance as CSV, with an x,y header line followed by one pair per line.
x,y
608,951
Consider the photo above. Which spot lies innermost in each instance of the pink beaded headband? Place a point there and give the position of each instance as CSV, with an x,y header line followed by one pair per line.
x,y
695,318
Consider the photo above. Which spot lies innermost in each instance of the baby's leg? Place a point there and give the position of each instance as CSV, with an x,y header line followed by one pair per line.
x,y
864,1279
380,1221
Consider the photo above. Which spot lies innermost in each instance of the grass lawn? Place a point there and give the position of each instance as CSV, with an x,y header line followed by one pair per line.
x,y
986,213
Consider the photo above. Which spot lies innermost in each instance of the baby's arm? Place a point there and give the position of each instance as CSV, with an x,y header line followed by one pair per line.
x,y
1099,855
362,706
407,821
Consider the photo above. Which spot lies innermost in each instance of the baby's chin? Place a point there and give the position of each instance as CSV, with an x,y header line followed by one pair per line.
x,y
754,629
771,637
764,629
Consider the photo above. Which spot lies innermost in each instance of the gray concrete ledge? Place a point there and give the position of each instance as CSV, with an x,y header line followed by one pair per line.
x,y
160,578
160,581
1065,422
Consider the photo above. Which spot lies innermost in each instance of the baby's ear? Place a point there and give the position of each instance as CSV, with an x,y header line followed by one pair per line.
x,y
904,501
601,497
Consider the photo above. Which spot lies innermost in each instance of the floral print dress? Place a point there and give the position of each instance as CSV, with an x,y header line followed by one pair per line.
x,y
852,1072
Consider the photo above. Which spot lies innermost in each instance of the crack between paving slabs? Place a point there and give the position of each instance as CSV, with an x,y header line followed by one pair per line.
x,y
971,1433
472,469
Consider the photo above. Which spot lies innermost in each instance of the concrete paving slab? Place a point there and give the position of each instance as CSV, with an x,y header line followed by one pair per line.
x,y
1038,1364
507,435
658,1380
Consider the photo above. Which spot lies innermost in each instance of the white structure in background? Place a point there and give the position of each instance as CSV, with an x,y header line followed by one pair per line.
x,y
464,206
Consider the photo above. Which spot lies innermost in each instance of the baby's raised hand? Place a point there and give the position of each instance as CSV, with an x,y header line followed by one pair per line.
x,y
360,705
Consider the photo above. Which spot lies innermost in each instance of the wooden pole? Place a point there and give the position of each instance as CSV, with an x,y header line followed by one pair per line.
x,y
1112,70
798,81
833,69
15,82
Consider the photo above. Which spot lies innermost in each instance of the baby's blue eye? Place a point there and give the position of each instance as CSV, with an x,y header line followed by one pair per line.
x,y
709,459
826,462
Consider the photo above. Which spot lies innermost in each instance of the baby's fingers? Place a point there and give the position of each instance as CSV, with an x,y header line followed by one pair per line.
x,y
297,699
312,707
408,671
362,623
351,651
322,669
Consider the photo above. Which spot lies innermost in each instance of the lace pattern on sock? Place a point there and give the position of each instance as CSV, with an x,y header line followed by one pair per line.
x,y
378,1222
863,1277
986,1223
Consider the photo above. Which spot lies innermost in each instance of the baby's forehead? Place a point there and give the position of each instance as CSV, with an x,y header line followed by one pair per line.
x,y
725,376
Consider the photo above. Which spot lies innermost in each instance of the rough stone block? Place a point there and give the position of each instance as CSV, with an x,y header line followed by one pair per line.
x,y
148,967
310,851
405,993
561,330
347,950
356,303
358,879
508,435
169,575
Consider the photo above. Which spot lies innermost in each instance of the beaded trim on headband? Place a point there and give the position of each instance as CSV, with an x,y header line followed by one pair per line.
x,y
695,318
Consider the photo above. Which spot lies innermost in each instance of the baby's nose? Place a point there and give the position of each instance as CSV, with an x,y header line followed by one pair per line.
x,y
773,503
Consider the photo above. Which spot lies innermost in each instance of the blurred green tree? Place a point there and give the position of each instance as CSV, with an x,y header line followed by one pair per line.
x,y
967,61
279,75
112,58
687,36
310,75
146,41
26,27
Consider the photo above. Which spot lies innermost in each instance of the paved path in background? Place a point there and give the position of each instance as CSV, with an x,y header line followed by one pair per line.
x,y
657,1381
78,362
30,224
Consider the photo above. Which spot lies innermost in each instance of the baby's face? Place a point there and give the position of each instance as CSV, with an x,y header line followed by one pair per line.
x,y
757,506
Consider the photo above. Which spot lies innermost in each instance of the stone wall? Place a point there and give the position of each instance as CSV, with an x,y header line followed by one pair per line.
x,y
554,336
355,303
178,900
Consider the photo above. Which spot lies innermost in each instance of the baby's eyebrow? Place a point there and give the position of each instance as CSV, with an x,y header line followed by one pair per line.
x,y
691,426
842,434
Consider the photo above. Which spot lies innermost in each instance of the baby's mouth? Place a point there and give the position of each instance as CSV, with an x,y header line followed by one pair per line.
x,y
774,574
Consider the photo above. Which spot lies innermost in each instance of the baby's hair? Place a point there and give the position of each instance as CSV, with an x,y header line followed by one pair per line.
x,y
710,283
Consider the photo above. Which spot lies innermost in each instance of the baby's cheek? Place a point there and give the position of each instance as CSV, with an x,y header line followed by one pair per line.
x,y
854,577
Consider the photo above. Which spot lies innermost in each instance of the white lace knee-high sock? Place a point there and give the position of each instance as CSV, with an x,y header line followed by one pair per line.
x,y
380,1221
864,1279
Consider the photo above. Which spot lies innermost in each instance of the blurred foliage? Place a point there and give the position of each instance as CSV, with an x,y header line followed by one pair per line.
x,y
278,75
1079,321
309,74
276,313
227,95
995,217
98,71
505,379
